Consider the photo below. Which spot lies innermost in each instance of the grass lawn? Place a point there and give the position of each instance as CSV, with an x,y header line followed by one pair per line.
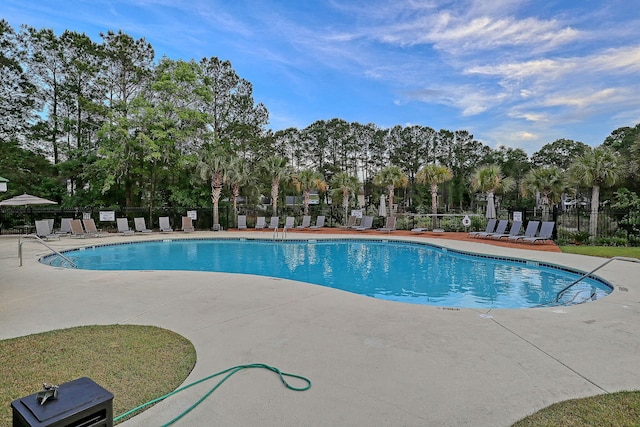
x,y
602,251
135,363
615,409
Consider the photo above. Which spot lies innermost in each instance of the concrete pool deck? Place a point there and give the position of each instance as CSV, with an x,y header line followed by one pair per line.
x,y
372,362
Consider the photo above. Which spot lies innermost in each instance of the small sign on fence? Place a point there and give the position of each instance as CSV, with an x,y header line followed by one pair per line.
x,y
193,215
107,216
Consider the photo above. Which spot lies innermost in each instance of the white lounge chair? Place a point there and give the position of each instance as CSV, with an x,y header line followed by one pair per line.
x,y
65,226
289,222
187,224
123,226
141,225
90,228
242,222
274,222
306,222
43,230
261,222
319,223
165,227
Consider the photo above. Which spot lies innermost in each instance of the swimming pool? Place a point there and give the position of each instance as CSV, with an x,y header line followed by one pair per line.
x,y
408,272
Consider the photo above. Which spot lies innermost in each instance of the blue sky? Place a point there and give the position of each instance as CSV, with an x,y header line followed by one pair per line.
x,y
520,73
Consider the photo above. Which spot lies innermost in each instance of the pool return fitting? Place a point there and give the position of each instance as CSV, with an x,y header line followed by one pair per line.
x,y
229,372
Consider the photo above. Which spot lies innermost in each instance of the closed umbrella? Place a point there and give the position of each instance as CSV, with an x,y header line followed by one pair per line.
x,y
491,207
26,200
382,211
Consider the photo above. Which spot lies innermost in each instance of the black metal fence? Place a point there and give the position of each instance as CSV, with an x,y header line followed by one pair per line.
x,y
614,226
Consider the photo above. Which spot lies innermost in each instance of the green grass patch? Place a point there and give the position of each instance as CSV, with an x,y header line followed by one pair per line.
x,y
135,363
614,410
602,251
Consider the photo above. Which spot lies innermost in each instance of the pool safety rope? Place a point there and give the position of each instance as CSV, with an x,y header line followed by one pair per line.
x,y
229,372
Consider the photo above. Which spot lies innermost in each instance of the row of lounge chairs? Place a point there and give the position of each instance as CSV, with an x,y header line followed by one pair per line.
x,y
274,222
87,227
534,232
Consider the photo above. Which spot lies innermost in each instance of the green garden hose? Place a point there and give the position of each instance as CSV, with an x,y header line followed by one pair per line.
x,y
229,373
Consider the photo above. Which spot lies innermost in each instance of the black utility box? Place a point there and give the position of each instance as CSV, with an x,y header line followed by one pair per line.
x,y
80,403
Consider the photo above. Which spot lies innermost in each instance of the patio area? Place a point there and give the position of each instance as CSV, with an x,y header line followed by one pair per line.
x,y
372,362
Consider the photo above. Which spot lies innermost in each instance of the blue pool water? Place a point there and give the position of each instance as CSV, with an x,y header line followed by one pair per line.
x,y
398,271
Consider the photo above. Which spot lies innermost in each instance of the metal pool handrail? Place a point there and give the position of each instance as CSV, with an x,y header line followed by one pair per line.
x,y
584,276
36,238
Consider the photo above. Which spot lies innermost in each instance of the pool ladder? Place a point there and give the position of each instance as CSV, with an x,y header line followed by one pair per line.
x,y
38,239
283,235
584,276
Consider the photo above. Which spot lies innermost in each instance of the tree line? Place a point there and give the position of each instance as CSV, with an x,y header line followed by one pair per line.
x,y
107,124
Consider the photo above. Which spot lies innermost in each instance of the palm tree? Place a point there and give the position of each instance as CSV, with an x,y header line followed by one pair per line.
x,y
344,185
549,182
239,174
390,178
212,167
595,168
307,180
489,180
433,175
277,170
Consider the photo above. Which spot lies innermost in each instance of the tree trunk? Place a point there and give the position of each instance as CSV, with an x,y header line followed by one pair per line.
x,y
390,200
593,218
345,203
274,196
306,202
434,206
216,191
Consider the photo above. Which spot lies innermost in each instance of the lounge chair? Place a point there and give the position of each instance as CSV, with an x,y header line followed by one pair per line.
x,y
274,222
141,225
289,222
65,226
419,230
351,222
76,228
366,224
530,231
389,225
90,228
513,231
306,222
319,223
123,226
187,224
546,233
165,227
242,222
261,222
491,227
43,230
500,229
